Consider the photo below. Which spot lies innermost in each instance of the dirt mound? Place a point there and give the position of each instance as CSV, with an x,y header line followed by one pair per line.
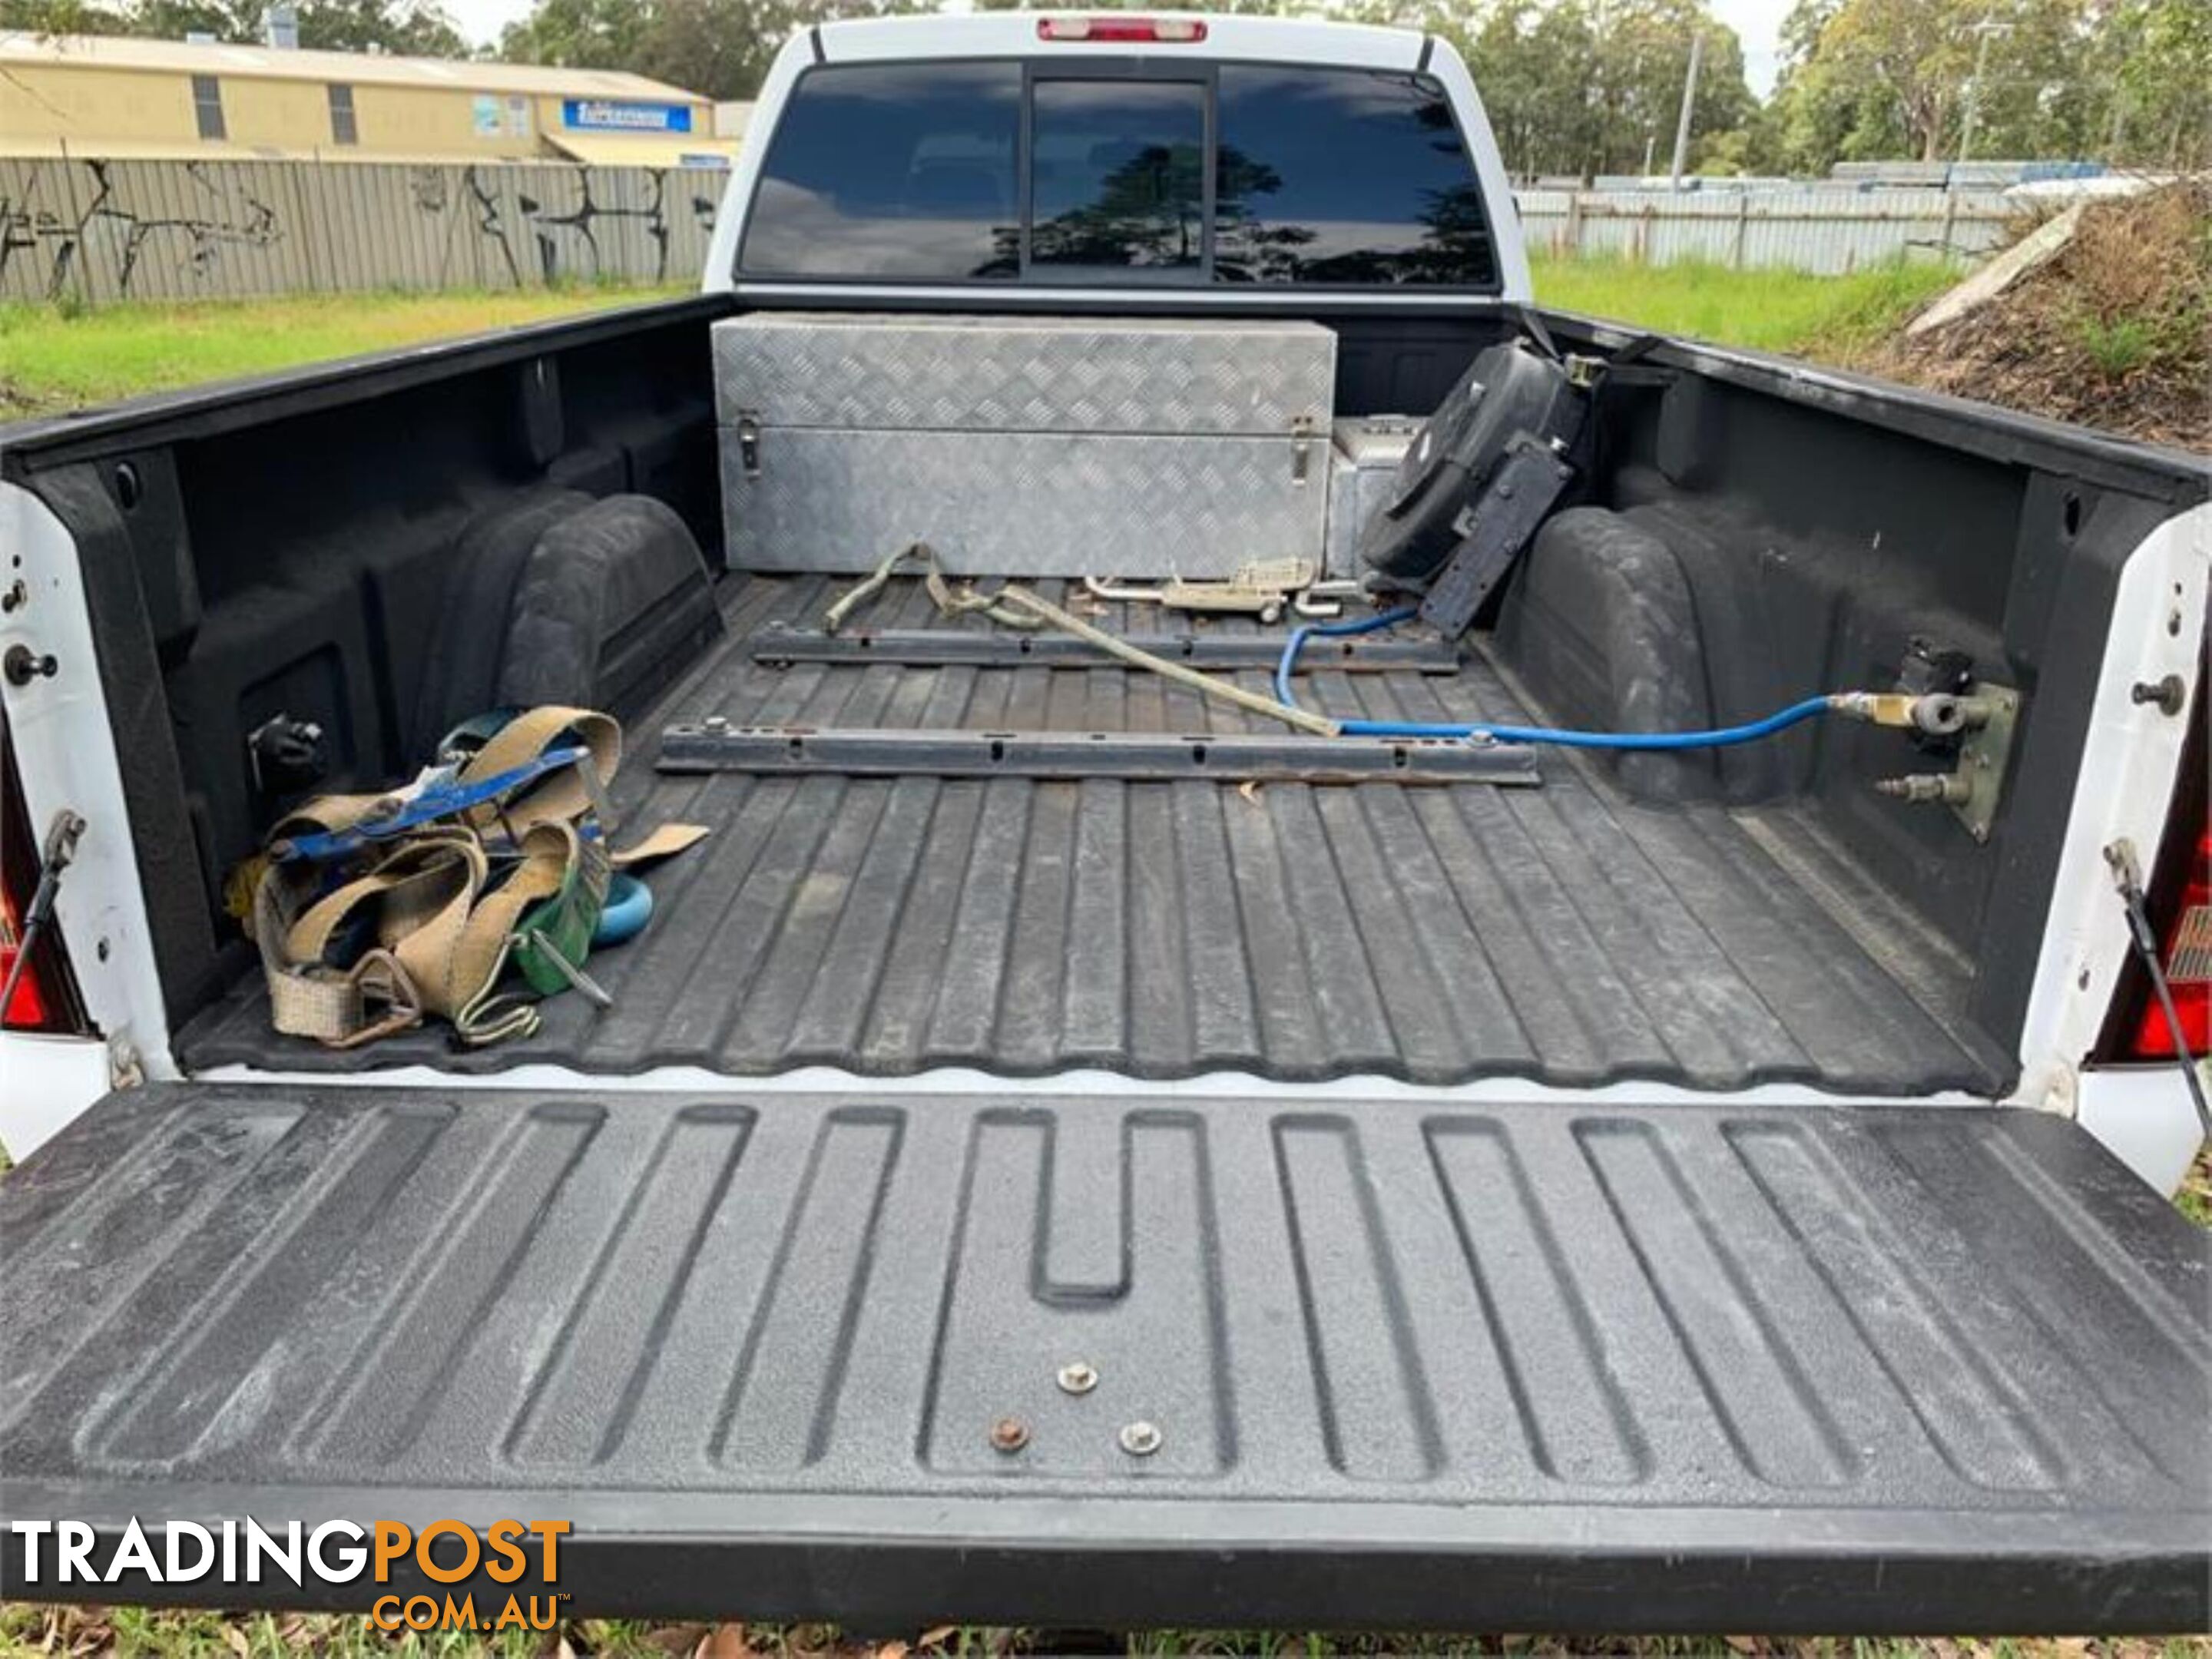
x,y
2115,330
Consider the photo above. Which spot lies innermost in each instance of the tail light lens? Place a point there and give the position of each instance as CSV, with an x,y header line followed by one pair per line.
x,y
27,1011
2187,955
1166,31
45,999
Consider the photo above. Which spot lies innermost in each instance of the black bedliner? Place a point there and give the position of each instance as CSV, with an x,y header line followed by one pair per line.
x,y
1565,934
1499,1367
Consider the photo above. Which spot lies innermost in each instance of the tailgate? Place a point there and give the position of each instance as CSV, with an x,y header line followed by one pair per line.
x,y
1494,1367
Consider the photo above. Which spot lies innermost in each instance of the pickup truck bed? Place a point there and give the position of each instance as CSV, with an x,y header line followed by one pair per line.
x,y
1564,934
1507,1358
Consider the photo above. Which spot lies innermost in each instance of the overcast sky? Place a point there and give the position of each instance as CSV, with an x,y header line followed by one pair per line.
x,y
1758,21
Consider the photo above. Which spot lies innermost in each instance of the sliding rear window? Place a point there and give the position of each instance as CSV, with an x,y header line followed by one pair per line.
x,y
1235,174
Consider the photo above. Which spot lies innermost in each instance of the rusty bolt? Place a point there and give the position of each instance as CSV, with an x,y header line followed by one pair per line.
x,y
1009,1434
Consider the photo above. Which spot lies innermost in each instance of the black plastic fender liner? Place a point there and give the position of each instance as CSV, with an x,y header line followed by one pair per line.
x,y
1603,627
1411,1364
613,603
469,634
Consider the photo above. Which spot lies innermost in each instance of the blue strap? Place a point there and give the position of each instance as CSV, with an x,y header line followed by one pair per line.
x,y
440,797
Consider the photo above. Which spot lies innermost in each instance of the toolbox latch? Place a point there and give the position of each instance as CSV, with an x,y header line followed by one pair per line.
x,y
748,442
1302,437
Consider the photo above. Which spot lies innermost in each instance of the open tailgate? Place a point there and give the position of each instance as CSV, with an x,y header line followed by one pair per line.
x,y
1488,1368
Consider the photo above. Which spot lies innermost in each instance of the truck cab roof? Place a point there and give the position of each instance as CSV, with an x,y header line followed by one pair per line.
x,y
1045,34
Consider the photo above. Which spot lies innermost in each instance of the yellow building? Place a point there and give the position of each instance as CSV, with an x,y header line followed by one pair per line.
x,y
103,96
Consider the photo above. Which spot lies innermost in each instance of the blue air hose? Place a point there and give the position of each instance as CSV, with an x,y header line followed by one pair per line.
x,y
1717,737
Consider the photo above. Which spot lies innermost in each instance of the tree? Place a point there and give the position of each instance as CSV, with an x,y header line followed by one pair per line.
x,y
408,28
2122,79
234,21
721,48
47,18
1585,87
2161,105
1530,62
577,34
1643,59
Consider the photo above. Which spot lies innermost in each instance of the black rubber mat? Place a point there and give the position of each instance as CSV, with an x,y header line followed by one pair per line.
x,y
1502,1368
1163,930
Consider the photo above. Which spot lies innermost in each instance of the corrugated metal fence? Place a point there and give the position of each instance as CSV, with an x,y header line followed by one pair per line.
x,y
1828,231
101,231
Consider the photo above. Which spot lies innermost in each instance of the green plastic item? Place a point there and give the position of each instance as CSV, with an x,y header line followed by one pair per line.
x,y
553,936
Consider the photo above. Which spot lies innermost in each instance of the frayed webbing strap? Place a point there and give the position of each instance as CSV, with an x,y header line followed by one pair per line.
x,y
373,997
417,901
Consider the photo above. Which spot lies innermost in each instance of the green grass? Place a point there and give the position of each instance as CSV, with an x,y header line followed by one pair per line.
x,y
2118,347
56,357
2195,1198
1831,318
24,1631
60,357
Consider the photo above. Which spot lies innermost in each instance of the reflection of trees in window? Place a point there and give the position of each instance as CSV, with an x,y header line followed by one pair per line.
x,y
1453,245
1150,210
1246,248
1436,115
1457,248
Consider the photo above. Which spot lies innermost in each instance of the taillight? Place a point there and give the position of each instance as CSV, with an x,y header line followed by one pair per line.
x,y
2186,952
1170,31
27,1010
44,999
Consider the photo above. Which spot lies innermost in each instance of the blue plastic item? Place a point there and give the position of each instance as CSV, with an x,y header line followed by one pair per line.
x,y
628,907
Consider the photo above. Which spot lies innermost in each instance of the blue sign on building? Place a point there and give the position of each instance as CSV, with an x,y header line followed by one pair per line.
x,y
622,115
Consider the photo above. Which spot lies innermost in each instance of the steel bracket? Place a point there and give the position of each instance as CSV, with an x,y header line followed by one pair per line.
x,y
779,646
714,745
1983,753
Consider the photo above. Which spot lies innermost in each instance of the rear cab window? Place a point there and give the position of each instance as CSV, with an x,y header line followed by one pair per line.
x,y
891,170
1005,171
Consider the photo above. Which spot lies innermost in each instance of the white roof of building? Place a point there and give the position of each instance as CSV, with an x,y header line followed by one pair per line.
x,y
117,51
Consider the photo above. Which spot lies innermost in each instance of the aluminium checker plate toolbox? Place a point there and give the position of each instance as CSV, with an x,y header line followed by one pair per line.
x,y
1041,446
